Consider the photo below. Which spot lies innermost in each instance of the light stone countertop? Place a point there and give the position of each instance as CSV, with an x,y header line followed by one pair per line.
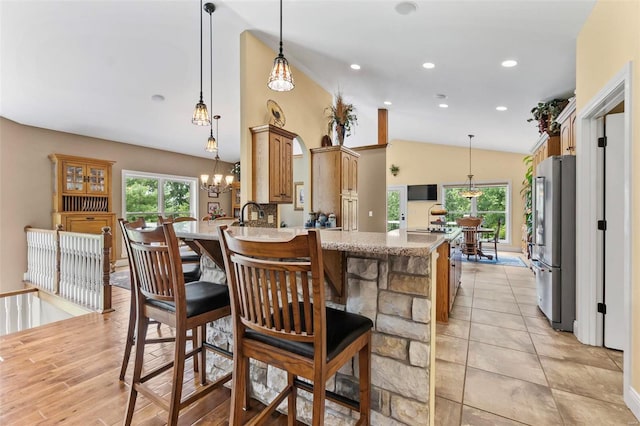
x,y
397,243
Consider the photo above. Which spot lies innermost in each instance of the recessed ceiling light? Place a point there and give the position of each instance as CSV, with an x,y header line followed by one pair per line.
x,y
509,63
355,66
501,108
443,106
429,65
157,98
387,102
406,7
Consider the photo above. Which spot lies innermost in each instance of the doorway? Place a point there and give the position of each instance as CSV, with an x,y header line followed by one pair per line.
x,y
396,207
589,272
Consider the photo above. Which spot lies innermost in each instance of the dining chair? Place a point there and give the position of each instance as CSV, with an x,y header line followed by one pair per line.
x,y
280,318
162,294
470,232
190,258
492,240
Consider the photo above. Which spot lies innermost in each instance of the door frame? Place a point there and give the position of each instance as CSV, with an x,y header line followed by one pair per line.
x,y
589,324
403,202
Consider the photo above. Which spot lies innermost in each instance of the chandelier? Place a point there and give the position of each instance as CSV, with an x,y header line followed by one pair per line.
x,y
217,185
280,78
470,191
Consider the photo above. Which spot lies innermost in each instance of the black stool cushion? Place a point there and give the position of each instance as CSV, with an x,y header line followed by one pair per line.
x,y
342,329
202,297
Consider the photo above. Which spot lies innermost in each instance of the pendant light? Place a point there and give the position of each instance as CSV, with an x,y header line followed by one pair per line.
x,y
280,78
212,143
471,191
200,114
216,186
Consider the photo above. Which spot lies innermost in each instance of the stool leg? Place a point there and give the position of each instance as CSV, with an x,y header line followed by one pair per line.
x,y
293,396
364,363
178,377
201,333
319,393
131,335
238,389
143,324
195,344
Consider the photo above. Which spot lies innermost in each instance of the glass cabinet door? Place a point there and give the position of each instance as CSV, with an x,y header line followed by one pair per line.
x,y
97,180
73,177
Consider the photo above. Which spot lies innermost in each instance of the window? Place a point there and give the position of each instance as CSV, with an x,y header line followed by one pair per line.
x,y
492,205
149,195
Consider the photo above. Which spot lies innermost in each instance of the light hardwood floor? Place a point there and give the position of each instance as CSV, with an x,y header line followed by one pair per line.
x,y
67,373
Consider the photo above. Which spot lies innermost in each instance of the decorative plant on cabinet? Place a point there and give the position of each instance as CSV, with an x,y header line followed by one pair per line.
x,y
545,113
342,116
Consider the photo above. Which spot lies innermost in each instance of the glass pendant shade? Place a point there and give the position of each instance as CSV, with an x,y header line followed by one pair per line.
x,y
280,78
201,115
228,179
212,144
204,179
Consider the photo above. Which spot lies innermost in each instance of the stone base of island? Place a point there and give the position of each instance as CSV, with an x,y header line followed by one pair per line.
x,y
390,278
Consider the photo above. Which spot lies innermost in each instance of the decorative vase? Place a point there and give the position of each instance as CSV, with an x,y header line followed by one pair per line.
x,y
340,131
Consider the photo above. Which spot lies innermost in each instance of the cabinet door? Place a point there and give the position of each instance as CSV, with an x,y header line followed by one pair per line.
x,y
572,134
73,175
286,172
565,138
97,179
345,185
90,224
275,160
353,175
354,215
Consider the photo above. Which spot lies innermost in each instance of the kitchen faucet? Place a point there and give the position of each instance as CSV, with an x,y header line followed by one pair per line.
x,y
253,203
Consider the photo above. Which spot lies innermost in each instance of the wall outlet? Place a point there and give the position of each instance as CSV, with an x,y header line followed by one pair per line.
x,y
254,215
370,213
270,218
261,214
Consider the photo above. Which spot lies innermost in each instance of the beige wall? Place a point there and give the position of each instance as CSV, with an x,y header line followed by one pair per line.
x,y
609,40
425,163
26,182
303,107
372,188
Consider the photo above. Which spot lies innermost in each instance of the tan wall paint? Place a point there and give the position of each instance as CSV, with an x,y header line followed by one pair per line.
x,y
372,189
303,106
425,163
609,39
26,183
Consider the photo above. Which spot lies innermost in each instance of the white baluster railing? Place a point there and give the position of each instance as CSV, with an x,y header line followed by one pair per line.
x,y
74,266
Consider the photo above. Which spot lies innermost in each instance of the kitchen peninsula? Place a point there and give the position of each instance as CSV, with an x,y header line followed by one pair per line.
x,y
390,278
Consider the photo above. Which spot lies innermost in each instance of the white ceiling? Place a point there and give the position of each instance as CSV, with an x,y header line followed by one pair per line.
x,y
91,67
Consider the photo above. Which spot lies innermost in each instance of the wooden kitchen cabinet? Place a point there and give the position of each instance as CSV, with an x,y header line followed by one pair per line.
x,y
236,202
82,195
567,120
334,175
545,147
272,164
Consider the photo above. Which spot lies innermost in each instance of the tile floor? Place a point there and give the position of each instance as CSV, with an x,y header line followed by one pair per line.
x,y
498,361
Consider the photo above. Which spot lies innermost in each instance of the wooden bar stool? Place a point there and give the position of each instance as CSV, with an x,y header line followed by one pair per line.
x,y
162,295
280,318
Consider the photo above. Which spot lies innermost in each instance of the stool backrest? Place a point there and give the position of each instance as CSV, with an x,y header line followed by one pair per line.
x,y
277,288
156,262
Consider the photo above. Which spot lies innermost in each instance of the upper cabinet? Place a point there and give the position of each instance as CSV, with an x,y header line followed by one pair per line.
x,y
349,173
272,164
545,148
567,120
83,177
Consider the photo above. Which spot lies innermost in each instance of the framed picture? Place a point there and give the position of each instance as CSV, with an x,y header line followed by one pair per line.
x,y
213,194
298,203
212,206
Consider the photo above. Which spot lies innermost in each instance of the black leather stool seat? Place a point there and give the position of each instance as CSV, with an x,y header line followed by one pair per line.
x,y
201,297
342,329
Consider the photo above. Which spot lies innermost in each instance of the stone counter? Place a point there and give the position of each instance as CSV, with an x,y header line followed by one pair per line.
x,y
390,279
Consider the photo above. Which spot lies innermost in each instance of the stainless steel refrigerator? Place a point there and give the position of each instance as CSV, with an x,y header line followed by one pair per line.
x,y
554,233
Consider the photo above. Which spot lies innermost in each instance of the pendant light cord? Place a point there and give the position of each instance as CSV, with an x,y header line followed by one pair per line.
x,y
200,50
280,28
211,64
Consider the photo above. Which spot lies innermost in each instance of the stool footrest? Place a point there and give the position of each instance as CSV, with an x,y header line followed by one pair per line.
x,y
332,396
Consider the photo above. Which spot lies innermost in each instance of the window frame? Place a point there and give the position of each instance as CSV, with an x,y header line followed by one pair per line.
x,y
474,203
162,178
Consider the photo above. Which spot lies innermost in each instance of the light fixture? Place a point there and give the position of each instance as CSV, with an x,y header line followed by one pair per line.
x,y
470,191
387,103
212,143
355,66
280,78
501,108
200,113
509,63
217,185
429,65
443,105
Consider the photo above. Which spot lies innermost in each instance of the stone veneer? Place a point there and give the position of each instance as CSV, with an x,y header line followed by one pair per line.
x,y
394,291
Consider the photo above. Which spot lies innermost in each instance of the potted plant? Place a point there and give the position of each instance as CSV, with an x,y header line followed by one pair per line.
x,y
545,113
394,169
342,116
526,193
